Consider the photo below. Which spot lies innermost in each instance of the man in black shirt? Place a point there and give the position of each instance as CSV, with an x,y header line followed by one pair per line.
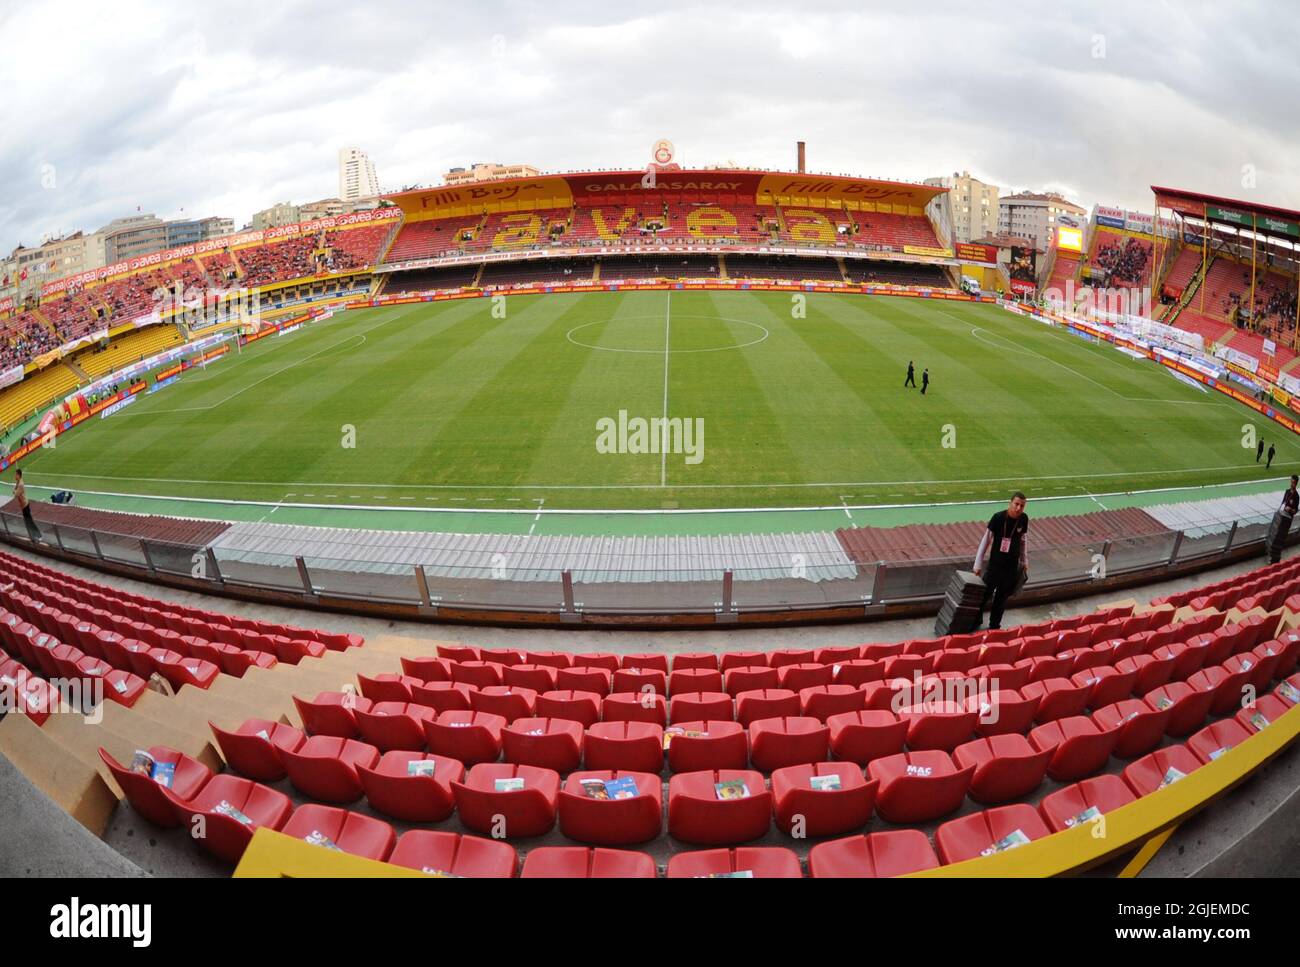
x,y
1271,452
1259,451
1282,524
925,381
1004,542
911,376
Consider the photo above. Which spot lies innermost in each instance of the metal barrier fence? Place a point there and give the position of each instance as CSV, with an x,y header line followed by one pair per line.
x,y
725,592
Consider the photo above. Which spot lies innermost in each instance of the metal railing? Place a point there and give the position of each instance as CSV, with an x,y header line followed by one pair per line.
x,y
572,587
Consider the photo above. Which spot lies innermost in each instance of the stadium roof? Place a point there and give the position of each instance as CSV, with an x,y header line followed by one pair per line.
x,y
1265,219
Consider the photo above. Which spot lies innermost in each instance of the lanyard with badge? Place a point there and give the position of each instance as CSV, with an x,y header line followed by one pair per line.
x,y
1005,547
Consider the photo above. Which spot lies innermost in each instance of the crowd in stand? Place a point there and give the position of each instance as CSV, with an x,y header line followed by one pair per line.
x,y
1124,261
26,343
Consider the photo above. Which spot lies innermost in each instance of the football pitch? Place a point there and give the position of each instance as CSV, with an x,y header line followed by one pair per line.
x,y
763,399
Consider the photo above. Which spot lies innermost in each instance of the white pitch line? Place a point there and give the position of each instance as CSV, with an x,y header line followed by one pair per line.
x,y
663,455
718,486
538,517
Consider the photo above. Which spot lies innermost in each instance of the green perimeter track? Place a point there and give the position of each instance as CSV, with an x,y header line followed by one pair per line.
x,y
455,408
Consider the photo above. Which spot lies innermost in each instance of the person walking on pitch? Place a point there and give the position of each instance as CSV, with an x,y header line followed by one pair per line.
x,y
1271,451
1259,451
911,377
925,381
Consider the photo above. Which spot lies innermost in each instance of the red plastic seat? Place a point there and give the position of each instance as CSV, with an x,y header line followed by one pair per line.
x,y
1042,667
862,736
598,659
233,808
1187,707
656,661
1152,672
756,862
750,678
765,703
444,696
611,821
939,725
988,832
331,713
918,786
807,804
254,749
1227,687
628,746
580,707
706,660
684,681
427,669
1159,769
1084,801
504,700
1107,684
743,659
1141,727
451,854
1188,658
468,737
458,652
696,814
859,672
535,678
397,788
342,829
1004,712
480,674
1214,740
790,656
640,681
805,675
706,745
958,660
394,725
1266,710
584,678
183,775
181,671
822,701
486,807
1007,767
837,655
694,706
885,854
788,740
579,863
1058,698
502,658
1079,746
649,707
1259,667
325,767
387,687
543,742
547,659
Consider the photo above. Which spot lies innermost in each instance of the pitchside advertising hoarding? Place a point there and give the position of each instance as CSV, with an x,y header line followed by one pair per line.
x,y
1110,217
974,252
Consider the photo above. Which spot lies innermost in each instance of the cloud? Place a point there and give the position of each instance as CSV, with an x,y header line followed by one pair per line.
x,y
225,109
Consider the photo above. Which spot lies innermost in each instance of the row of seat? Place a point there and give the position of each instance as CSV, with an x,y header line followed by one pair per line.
x,y
212,625
710,808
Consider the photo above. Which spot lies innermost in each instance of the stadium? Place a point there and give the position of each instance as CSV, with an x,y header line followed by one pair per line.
x,y
581,525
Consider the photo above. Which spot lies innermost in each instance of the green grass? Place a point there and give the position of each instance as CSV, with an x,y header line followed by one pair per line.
x,y
453,407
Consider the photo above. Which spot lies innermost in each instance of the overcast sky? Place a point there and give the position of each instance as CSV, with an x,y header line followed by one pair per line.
x,y
188,110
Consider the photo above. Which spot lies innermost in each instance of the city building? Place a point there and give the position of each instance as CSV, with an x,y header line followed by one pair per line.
x,y
188,232
357,177
133,236
488,172
974,205
281,213
1034,216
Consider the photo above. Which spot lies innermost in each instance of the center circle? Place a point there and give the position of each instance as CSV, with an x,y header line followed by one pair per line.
x,y
760,336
